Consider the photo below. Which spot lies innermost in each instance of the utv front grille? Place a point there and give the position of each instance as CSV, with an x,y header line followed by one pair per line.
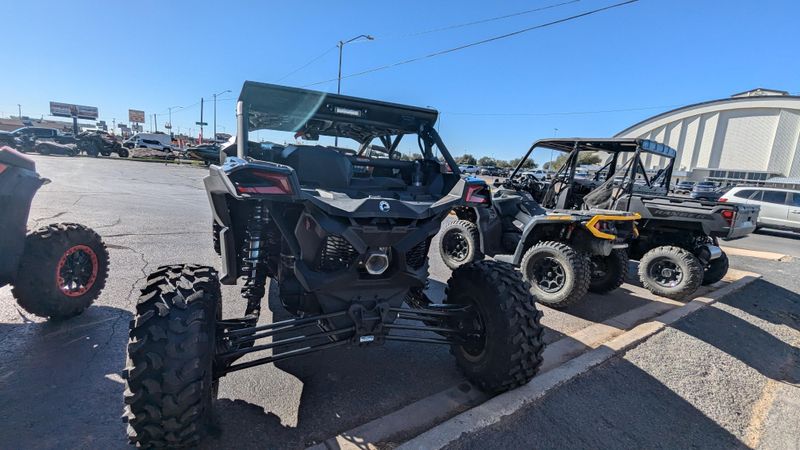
x,y
335,254
415,258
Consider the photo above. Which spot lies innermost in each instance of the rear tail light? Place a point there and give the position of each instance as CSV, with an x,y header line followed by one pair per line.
x,y
477,193
723,199
258,182
728,215
3,167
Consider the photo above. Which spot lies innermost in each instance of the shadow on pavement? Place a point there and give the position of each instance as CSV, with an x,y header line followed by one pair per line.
x,y
617,405
747,342
59,381
341,388
778,233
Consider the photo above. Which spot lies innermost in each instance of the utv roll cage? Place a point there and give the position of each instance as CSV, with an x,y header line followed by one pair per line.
x,y
625,155
311,114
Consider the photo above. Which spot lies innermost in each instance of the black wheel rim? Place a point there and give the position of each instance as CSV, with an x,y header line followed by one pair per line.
x,y
665,272
455,246
548,274
472,326
77,271
599,267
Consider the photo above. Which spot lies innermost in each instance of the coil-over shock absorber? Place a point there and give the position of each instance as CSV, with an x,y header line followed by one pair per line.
x,y
254,261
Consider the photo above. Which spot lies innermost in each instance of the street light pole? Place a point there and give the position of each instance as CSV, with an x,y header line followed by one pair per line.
x,y
339,78
215,112
171,134
19,106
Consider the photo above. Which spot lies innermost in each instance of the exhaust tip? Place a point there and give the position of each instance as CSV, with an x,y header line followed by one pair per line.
x,y
376,263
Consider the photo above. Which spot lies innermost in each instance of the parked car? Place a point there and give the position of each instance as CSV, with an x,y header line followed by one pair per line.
x,y
780,208
706,190
155,141
684,187
468,169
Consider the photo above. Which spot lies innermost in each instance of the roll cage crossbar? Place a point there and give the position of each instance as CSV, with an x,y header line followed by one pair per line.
x,y
314,113
614,146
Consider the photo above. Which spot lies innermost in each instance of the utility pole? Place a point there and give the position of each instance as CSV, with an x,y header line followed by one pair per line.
x,y
19,106
113,125
201,120
215,111
339,83
171,134
155,122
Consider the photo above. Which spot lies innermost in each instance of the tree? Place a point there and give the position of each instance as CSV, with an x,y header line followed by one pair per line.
x,y
529,164
487,161
583,158
467,159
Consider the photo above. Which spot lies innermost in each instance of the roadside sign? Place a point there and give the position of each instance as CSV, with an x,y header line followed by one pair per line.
x,y
59,109
135,116
204,124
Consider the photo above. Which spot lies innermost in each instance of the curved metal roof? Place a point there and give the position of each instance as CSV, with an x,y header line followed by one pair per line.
x,y
764,101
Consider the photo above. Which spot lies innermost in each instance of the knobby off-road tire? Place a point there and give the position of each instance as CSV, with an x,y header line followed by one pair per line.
x,y
460,244
670,272
123,153
63,270
716,270
510,352
558,275
608,272
170,388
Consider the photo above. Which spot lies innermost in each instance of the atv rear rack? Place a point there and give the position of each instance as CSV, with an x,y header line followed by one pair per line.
x,y
238,339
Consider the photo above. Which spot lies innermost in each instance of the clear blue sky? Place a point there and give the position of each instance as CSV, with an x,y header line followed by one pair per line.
x,y
653,54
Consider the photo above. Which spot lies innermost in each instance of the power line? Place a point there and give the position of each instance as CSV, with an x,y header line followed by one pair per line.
x,y
435,30
312,61
482,21
477,43
560,113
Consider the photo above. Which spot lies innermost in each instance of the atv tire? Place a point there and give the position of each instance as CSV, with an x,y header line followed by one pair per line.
x,y
123,153
671,272
460,244
716,270
170,388
509,352
559,276
608,272
62,271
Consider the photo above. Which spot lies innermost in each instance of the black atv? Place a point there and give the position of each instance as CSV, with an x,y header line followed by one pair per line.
x,y
346,237
554,249
56,271
677,243
95,143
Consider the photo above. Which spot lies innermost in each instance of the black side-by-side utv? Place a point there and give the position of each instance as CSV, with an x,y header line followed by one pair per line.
x,y
677,246
56,271
553,249
345,236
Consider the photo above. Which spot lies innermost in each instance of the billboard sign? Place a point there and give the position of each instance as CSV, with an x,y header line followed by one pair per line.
x,y
135,116
59,109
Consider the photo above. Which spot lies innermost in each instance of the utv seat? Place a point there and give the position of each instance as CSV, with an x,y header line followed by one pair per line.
x,y
318,166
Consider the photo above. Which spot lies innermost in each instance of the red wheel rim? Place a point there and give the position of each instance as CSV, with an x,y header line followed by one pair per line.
x,y
76,271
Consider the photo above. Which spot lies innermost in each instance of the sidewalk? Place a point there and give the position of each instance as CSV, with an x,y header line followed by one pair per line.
x,y
727,376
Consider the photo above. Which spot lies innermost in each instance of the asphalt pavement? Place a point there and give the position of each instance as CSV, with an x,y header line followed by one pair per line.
x,y
60,384
727,376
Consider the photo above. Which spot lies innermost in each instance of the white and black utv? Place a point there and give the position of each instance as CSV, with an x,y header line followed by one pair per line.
x,y
346,237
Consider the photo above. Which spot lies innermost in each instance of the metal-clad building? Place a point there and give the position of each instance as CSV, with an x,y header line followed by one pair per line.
x,y
750,137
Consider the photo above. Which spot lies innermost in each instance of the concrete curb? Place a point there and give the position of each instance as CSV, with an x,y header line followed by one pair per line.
x,y
508,403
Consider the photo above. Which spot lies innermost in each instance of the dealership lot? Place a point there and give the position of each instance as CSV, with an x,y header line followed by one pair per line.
x,y
60,384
